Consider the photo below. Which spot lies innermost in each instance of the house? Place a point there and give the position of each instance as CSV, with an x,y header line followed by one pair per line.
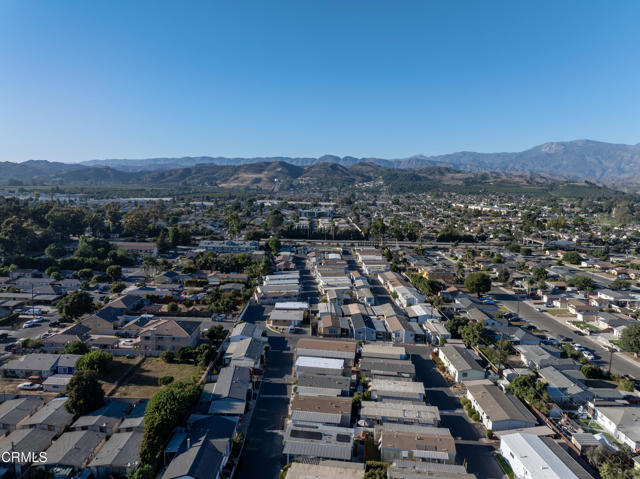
x,y
400,329
245,331
286,318
134,421
623,423
317,441
57,383
326,468
29,440
407,469
53,416
40,364
563,388
362,327
203,451
229,246
531,456
168,335
13,411
327,348
319,366
383,351
389,390
74,449
322,385
498,411
246,352
229,396
431,444
423,312
118,456
104,419
399,412
512,334
321,409
539,357
460,364
388,369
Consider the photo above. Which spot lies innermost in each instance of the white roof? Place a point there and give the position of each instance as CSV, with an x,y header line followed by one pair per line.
x,y
292,305
312,362
536,457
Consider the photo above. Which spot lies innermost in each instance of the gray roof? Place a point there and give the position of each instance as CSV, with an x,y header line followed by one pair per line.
x,y
202,459
329,442
499,406
403,366
33,440
32,362
323,381
460,358
245,348
108,415
135,419
15,410
406,469
52,414
122,449
74,448
233,382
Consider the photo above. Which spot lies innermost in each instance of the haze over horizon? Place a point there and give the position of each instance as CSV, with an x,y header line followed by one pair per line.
x,y
139,80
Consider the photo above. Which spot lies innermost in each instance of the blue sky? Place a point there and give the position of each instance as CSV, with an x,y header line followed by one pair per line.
x,y
135,79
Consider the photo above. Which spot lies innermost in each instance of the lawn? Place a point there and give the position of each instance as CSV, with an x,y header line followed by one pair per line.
x,y
505,466
119,365
583,325
559,312
143,382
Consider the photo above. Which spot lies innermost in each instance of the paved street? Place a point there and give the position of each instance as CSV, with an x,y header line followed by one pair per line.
x,y
262,455
471,447
621,364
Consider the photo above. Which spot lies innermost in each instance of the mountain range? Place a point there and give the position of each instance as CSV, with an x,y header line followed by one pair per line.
x,y
581,160
601,162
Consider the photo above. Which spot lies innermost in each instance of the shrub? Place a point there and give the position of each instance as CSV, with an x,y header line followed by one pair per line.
x,y
164,380
168,356
475,416
97,361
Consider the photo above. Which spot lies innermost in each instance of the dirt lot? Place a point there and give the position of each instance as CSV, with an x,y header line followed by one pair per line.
x,y
143,382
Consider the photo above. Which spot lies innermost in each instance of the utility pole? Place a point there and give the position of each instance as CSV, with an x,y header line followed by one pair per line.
x,y
610,360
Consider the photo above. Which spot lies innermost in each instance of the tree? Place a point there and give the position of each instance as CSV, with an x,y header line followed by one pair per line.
x,y
143,471
136,222
455,324
75,304
84,392
162,243
216,333
205,353
168,356
67,220
591,372
619,284
571,257
503,275
478,282
118,287
114,272
583,283
85,273
75,347
472,333
273,220
630,338
172,307
55,251
274,245
97,361
539,273
184,354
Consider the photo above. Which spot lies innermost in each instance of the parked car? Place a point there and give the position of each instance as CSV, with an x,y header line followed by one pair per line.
x,y
29,324
588,355
29,386
540,310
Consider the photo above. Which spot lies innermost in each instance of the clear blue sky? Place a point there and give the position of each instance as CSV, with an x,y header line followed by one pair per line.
x,y
134,79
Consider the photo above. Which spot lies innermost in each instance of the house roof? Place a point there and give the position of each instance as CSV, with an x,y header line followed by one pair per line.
x,y
460,358
121,450
499,406
51,414
15,410
108,415
74,448
32,440
537,457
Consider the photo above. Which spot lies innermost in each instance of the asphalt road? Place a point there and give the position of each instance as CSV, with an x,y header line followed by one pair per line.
x,y
262,456
470,448
620,364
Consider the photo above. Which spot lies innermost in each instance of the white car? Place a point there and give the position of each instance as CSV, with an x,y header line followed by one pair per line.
x,y
578,347
588,355
30,386
29,324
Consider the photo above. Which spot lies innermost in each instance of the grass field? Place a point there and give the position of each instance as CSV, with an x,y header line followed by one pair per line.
x,y
559,312
143,382
583,325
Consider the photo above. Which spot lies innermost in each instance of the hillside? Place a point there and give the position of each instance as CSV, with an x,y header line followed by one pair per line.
x,y
601,162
